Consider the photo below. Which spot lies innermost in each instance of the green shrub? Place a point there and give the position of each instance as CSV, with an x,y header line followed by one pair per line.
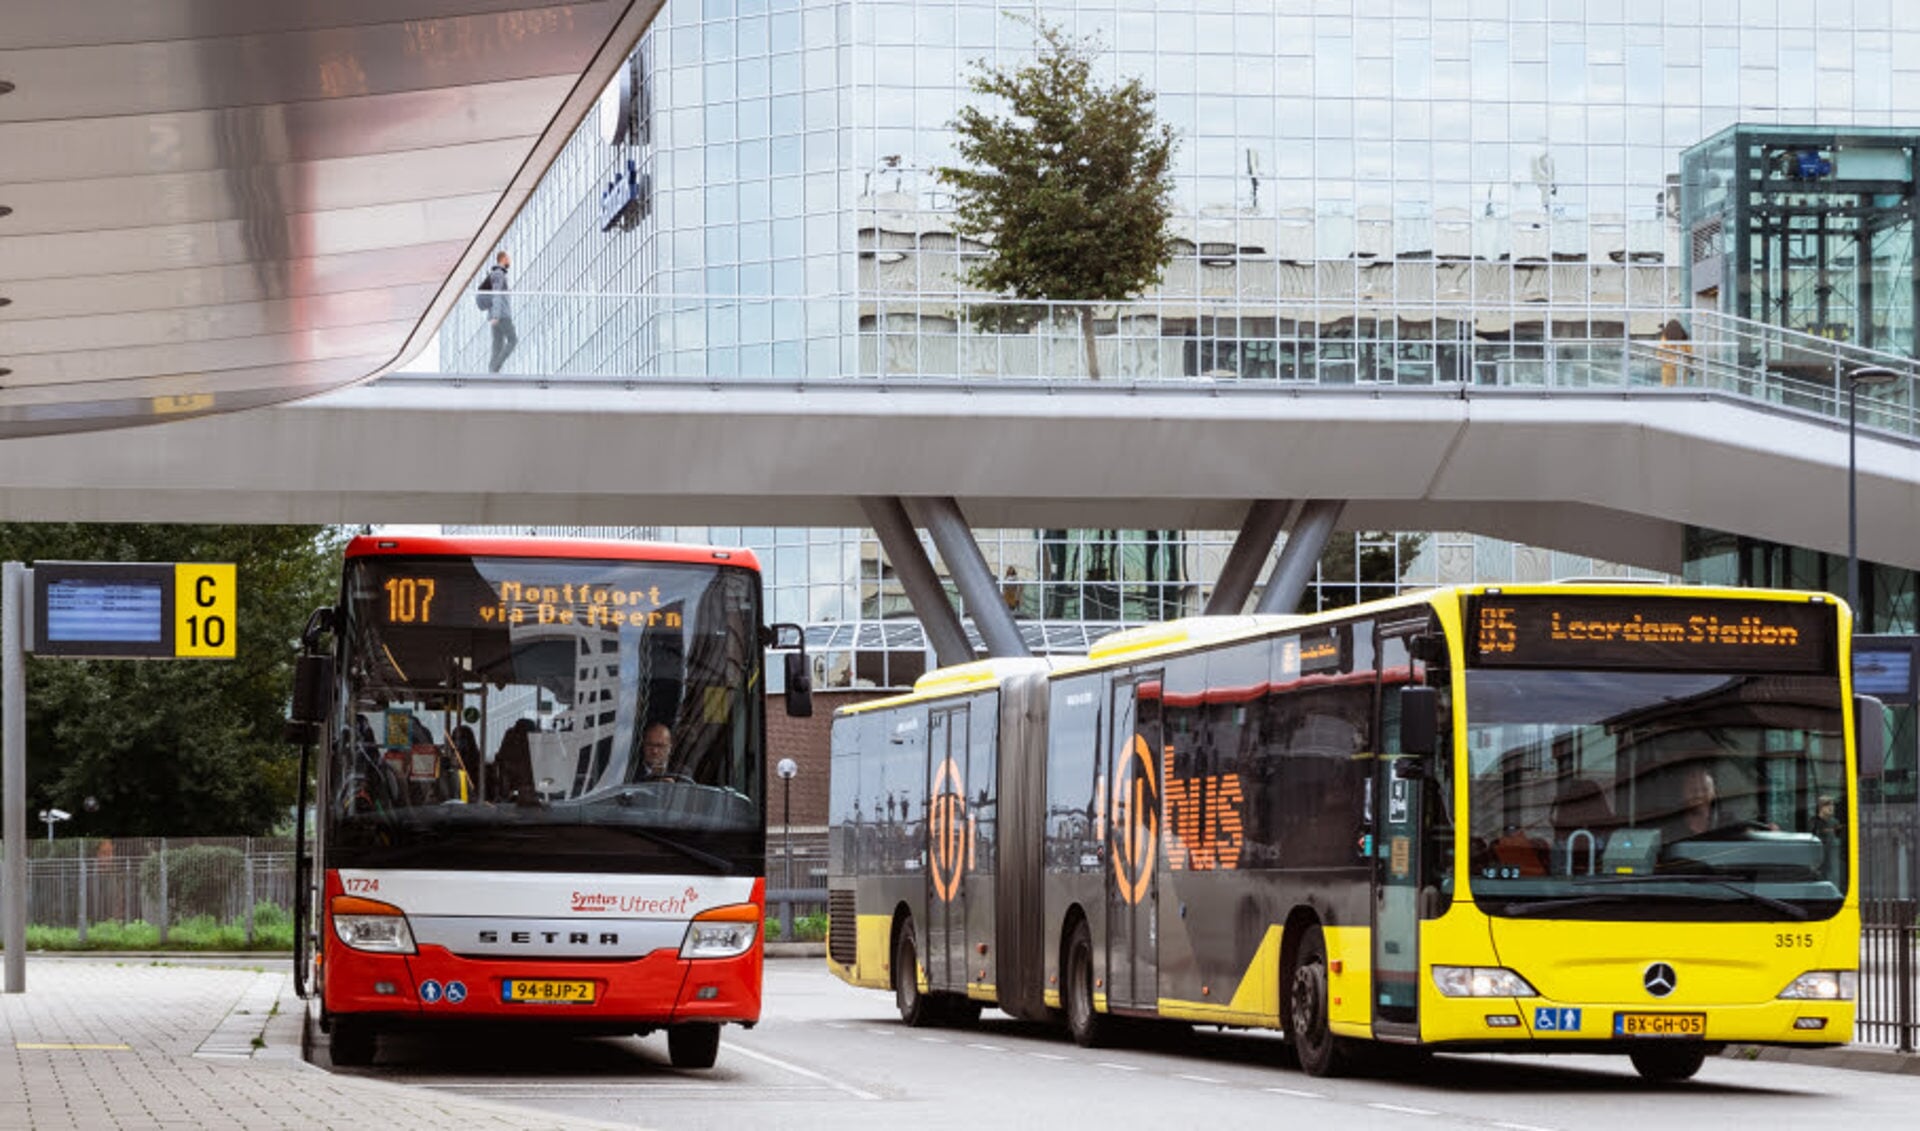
x,y
810,928
199,878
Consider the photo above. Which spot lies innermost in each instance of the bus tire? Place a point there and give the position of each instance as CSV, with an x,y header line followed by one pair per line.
x,y
1089,1028
694,1044
351,1043
916,1009
1320,1052
1668,1064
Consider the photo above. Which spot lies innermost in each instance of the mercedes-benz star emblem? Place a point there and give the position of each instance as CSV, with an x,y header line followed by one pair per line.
x,y
1659,979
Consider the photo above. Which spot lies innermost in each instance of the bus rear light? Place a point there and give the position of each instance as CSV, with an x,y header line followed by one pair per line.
x,y
1481,981
723,932
1822,985
369,925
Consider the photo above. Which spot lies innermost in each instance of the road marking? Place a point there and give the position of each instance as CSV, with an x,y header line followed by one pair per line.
x,y
932,1040
1116,1067
1046,1056
1197,1079
809,1073
985,1048
1521,1127
1402,1110
1297,1093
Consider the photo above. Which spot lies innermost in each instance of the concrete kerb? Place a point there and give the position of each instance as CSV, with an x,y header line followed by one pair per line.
x,y
1855,1058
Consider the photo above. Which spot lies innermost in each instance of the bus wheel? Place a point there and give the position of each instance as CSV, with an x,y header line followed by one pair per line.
x,y
1089,1029
351,1043
693,1045
1321,1053
1668,1063
915,1009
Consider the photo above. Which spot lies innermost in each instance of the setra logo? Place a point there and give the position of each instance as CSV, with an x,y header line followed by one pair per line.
x,y
1136,822
949,832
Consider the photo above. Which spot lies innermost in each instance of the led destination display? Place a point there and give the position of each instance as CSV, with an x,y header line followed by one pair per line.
x,y
1671,633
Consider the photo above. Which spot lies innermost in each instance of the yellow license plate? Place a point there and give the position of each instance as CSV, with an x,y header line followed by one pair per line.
x,y
548,992
1659,1024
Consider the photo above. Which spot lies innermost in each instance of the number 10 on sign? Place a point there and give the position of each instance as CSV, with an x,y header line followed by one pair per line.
x,y
204,610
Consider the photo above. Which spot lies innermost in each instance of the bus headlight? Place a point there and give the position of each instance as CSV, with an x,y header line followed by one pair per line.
x,y
1823,985
723,932
1481,981
368,924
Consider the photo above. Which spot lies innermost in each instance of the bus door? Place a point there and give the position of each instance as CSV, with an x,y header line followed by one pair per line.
x,y
949,844
1133,839
1398,796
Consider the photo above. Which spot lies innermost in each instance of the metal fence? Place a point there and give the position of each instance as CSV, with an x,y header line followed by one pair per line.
x,y
79,883
160,881
1889,1001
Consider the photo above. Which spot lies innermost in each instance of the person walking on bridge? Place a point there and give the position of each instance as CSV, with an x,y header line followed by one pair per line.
x,y
499,313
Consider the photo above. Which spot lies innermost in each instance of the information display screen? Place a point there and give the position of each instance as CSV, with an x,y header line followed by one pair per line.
x,y
1584,631
104,610
117,612
1887,675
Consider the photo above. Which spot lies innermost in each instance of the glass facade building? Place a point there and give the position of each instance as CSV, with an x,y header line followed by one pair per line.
x,y
1362,187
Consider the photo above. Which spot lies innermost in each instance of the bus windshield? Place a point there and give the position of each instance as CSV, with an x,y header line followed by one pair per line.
x,y
576,714
1656,795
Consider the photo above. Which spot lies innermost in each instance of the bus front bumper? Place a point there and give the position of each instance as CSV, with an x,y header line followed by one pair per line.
x,y
654,990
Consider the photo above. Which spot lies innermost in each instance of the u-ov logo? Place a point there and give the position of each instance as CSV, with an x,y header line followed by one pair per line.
x,y
947,831
1136,822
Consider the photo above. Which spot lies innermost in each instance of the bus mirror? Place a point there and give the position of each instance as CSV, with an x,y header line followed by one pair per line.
x,y
799,686
1870,737
784,636
1419,708
312,678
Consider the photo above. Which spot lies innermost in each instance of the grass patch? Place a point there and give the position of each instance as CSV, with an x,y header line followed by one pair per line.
x,y
272,930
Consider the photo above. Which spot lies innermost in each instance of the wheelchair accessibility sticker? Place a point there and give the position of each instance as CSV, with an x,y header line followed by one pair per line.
x,y
1549,1020
456,992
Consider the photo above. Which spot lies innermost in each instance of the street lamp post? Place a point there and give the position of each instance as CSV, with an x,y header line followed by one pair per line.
x,y
787,768
1872,376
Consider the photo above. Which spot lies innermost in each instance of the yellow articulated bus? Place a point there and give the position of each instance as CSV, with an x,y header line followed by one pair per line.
x,y
1551,818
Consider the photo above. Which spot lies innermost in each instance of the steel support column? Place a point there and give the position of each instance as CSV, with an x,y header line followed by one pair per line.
x,y
951,535
1305,543
924,591
1265,518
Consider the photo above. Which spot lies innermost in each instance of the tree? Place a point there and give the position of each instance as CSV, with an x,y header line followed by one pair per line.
x,y
176,747
1070,191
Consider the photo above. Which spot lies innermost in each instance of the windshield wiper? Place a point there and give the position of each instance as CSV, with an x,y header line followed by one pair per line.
x,y
719,864
1780,906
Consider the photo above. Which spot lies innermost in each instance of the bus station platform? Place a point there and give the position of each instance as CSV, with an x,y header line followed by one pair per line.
x,y
177,1041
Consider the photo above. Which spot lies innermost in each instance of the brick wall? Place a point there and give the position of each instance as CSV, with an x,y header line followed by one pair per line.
x,y
805,741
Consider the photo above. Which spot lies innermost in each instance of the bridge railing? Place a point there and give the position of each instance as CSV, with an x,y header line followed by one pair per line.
x,y
973,339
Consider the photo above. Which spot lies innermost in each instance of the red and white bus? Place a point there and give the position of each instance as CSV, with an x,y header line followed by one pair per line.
x,y
540,793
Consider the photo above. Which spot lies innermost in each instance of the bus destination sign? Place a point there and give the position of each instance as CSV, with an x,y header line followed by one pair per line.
x,y
1655,632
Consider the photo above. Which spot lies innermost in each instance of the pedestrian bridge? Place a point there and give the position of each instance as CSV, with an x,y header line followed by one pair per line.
x,y
1593,455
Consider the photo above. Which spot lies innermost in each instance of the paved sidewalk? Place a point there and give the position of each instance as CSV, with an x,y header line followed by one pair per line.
x,y
147,1044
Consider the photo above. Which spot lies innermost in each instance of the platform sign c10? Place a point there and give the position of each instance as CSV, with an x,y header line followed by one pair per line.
x,y
135,610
